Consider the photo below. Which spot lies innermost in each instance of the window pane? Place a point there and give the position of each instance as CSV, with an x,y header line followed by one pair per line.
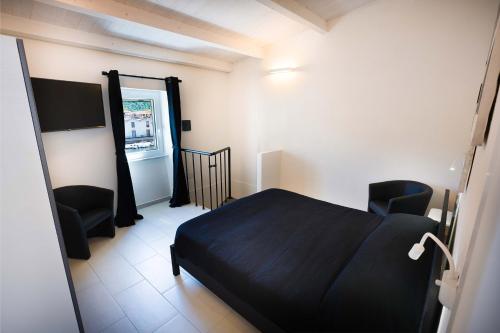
x,y
139,135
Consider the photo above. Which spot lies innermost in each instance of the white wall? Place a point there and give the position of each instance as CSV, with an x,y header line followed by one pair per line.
x,y
476,309
150,178
87,156
388,93
268,170
34,287
246,103
417,64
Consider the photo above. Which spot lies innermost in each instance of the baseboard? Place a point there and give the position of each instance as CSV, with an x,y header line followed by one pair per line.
x,y
154,202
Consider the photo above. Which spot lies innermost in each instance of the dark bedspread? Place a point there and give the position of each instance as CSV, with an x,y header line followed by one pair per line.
x,y
296,260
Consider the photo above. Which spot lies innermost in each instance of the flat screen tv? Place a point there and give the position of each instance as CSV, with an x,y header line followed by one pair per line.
x,y
67,105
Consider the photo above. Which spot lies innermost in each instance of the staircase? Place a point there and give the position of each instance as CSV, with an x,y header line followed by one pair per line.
x,y
208,176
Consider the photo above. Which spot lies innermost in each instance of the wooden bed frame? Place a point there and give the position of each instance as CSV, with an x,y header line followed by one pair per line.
x,y
430,314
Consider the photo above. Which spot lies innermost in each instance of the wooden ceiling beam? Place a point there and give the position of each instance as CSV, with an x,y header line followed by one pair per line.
x,y
112,10
297,12
23,27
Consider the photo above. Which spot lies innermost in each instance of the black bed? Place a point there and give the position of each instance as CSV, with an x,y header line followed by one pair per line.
x,y
290,263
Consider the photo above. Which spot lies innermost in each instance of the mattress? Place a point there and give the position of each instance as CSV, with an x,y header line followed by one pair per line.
x,y
309,265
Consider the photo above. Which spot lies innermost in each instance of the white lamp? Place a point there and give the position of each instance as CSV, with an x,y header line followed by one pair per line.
x,y
449,282
281,70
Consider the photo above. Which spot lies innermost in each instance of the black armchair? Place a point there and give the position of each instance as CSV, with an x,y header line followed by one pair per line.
x,y
399,196
84,211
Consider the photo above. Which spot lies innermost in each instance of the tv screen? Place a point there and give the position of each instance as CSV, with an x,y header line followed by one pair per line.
x,y
67,105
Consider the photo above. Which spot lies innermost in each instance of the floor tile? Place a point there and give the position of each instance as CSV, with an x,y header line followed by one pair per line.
x,y
147,232
198,313
82,274
98,308
158,272
162,246
234,323
153,219
133,249
178,325
127,285
185,273
180,214
196,290
169,229
101,247
159,206
115,272
122,326
145,307
163,222
154,212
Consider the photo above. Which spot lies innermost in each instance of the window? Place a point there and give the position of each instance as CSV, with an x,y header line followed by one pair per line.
x,y
144,123
136,113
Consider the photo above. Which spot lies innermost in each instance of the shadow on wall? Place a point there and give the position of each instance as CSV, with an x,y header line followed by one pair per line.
x,y
298,174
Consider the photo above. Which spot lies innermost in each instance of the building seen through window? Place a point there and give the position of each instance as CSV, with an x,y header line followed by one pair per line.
x,y
138,114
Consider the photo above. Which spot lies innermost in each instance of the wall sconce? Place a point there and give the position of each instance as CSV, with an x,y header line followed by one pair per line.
x,y
449,282
282,70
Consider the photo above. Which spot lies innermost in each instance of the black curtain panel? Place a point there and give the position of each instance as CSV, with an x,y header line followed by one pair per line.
x,y
180,195
126,211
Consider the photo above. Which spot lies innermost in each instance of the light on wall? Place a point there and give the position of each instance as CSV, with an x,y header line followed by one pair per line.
x,y
282,70
282,75
457,164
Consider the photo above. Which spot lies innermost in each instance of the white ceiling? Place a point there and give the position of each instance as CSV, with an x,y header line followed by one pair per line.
x,y
246,17
331,9
250,24
62,17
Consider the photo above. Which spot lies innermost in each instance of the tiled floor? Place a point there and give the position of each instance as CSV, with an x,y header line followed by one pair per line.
x,y
127,285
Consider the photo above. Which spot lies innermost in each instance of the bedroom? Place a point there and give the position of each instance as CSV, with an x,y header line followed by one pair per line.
x,y
321,101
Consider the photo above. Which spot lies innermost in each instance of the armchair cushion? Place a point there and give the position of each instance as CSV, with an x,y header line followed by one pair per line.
x,y
379,207
92,218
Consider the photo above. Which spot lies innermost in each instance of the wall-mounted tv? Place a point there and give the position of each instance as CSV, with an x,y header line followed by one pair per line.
x,y
67,105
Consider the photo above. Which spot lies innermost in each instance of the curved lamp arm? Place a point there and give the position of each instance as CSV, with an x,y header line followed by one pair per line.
x,y
418,248
448,284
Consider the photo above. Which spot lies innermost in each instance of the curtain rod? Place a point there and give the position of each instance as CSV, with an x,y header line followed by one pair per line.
x,y
138,76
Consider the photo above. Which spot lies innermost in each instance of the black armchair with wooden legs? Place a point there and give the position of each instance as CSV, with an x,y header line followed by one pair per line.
x,y
84,211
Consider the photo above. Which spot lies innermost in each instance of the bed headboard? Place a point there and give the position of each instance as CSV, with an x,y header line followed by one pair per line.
x,y
432,307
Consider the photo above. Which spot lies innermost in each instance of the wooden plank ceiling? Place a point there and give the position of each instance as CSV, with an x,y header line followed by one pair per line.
x,y
207,33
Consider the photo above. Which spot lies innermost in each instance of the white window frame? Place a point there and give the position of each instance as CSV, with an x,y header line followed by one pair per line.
x,y
160,116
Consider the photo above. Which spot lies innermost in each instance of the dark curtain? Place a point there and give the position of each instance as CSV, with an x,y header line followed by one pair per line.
x,y
126,211
180,195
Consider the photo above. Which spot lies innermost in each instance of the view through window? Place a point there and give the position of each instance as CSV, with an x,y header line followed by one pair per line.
x,y
140,126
